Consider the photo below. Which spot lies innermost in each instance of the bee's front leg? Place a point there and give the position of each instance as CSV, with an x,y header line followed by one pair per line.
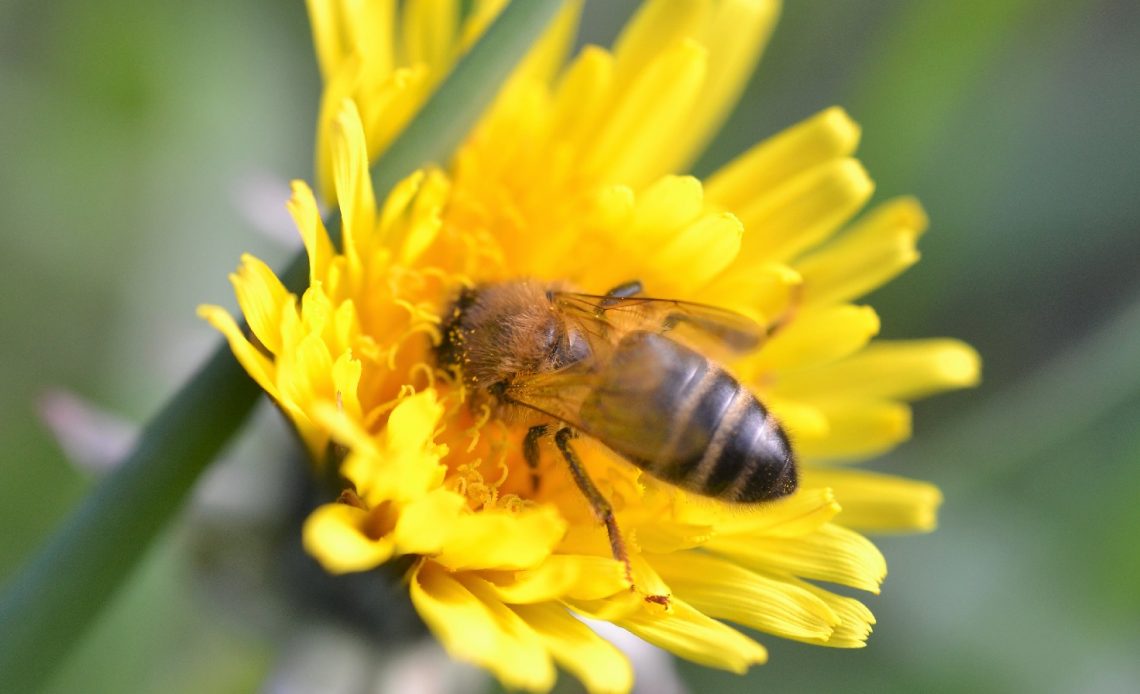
x,y
531,454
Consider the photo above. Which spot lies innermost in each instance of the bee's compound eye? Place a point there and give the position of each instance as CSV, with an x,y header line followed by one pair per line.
x,y
576,348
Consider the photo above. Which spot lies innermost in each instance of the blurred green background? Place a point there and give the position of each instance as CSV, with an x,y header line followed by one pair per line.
x,y
142,144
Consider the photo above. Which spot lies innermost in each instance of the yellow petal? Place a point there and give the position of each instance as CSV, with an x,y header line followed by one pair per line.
x,y
345,378
304,376
354,188
580,97
325,19
873,502
396,205
724,590
430,30
260,296
857,429
425,522
306,215
408,447
598,578
666,215
424,222
799,514
667,535
699,252
872,252
664,208
256,364
402,464
735,32
801,213
372,28
815,337
832,553
493,539
647,118
828,135
855,620
799,420
388,102
336,535
561,575
760,291
590,658
694,636
656,25
345,328
610,608
885,370
481,630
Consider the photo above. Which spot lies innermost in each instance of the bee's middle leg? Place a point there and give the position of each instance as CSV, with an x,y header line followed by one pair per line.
x,y
531,454
601,507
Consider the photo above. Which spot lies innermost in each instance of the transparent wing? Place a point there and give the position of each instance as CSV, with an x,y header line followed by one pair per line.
x,y
709,329
601,322
558,394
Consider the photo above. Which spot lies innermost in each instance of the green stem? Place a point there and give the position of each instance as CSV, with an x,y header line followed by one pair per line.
x,y
48,605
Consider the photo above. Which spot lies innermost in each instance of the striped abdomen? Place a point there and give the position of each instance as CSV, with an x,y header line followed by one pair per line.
x,y
683,419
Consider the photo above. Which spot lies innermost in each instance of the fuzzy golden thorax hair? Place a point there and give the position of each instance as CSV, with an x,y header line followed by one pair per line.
x,y
494,333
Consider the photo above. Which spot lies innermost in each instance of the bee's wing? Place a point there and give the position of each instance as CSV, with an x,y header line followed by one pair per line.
x,y
602,321
710,329
559,394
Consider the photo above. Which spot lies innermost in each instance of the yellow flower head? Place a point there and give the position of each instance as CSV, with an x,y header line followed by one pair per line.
x,y
386,61
570,178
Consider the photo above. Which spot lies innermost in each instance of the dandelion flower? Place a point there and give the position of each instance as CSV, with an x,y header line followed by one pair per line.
x,y
572,176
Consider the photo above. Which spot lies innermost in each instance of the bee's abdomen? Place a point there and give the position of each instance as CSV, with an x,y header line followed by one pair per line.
x,y
690,423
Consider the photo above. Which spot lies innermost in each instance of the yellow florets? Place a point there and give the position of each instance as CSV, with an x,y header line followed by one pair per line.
x,y
572,176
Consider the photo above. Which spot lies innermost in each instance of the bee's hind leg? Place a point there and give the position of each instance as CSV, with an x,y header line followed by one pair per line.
x,y
530,452
598,503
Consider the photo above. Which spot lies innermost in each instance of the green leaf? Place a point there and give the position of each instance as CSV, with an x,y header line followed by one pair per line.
x,y
47,606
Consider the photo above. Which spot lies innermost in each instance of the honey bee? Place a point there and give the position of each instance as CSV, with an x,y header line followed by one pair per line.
x,y
632,372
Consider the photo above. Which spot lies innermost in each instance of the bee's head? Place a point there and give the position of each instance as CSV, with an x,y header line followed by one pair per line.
x,y
493,333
